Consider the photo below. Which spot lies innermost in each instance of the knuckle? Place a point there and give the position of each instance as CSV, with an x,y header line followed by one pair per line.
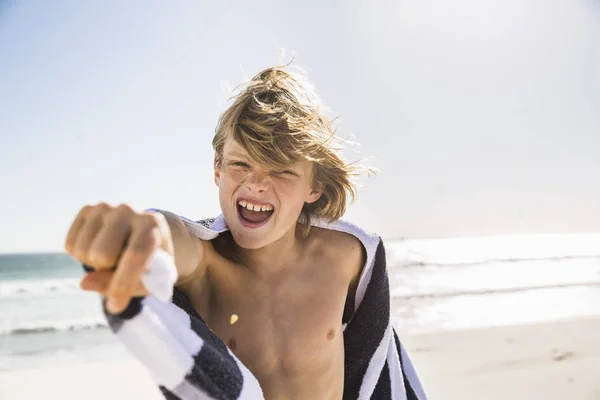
x,y
124,208
148,221
103,205
96,212
85,211
116,217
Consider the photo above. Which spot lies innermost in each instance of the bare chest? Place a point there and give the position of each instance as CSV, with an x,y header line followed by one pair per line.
x,y
285,327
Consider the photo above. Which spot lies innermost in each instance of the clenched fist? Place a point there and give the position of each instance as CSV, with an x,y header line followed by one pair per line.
x,y
104,237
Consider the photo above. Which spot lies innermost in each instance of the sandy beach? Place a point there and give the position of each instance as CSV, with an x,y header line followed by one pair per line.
x,y
558,360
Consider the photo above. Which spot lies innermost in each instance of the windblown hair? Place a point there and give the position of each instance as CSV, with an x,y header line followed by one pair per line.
x,y
278,119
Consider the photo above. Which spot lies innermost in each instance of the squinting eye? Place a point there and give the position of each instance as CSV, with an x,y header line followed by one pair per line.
x,y
287,172
240,164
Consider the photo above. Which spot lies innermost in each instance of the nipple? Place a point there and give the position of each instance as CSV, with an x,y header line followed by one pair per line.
x,y
330,334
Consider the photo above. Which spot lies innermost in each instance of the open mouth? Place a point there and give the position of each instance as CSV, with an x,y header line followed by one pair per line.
x,y
253,214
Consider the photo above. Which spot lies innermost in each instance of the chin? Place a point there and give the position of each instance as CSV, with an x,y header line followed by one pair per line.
x,y
248,240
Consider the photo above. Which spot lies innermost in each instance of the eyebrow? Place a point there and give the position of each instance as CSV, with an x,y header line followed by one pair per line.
x,y
237,154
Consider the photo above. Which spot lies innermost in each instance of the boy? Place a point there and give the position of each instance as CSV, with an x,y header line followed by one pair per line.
x,y
291,284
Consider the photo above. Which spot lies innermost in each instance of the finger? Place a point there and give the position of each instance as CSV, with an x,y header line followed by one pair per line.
x,y
87,232
74,230
96,281
109,241
131,266
92,216
99,281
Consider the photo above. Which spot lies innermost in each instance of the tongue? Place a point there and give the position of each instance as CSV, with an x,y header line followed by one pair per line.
x,y
254,216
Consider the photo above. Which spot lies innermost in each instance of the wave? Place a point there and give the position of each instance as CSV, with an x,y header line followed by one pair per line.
x,y
39,287
420,262
48,327
493,291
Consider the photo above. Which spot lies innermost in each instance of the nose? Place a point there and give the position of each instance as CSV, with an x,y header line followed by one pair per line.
x,y
258,182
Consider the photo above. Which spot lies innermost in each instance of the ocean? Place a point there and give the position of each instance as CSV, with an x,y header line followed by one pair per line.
x,y
440,284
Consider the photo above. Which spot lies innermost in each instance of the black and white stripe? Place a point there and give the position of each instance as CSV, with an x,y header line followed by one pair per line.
x,y
188,361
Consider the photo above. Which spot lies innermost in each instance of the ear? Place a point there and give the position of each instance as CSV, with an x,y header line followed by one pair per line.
x,y
316,187
315,194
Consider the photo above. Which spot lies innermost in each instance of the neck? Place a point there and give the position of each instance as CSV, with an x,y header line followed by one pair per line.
x,y
273,258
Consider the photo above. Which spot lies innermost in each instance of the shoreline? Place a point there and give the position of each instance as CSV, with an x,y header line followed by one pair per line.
x,y
548,360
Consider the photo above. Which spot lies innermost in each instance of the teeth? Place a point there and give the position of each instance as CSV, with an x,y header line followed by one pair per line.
x,y
255,207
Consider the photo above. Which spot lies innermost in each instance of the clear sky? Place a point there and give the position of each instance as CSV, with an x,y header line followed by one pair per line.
x,y
482,116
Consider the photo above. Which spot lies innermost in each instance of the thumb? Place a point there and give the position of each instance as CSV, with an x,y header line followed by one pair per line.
x,y
99,281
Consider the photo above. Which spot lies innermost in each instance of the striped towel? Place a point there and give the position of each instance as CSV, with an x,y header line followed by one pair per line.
x,y
188,361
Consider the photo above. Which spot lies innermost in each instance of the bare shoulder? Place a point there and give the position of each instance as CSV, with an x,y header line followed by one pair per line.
x,y
343,249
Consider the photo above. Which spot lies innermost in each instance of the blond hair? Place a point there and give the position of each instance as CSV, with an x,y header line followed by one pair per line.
x,y
278,119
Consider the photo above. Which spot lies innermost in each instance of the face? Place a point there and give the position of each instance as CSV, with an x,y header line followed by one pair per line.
x,y
261,206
